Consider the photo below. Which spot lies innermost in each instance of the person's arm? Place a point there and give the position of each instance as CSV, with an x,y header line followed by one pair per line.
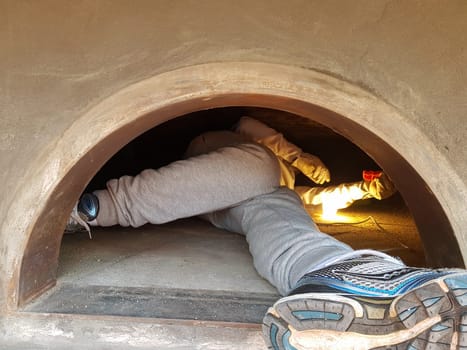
x,y
311,166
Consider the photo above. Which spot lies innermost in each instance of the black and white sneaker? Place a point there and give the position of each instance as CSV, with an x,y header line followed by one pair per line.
x,y
371,302
83,212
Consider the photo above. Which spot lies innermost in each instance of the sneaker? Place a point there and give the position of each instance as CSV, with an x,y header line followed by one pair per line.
x,y
83,212
371,302
76,223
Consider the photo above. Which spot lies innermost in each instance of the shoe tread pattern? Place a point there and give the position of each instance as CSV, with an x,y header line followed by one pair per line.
x,y
430,300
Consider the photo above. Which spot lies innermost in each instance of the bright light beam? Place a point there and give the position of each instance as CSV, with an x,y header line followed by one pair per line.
x,y
331,203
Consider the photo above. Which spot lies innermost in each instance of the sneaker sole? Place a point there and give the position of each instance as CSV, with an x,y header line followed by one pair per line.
x,y
432,317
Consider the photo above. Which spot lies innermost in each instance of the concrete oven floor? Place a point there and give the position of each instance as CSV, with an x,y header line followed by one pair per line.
x,y
188,274
183,270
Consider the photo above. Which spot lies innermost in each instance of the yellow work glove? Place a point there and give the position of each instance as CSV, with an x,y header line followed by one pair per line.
x,y
312,167
380,187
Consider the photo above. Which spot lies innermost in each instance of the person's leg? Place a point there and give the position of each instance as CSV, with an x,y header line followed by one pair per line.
x,y
194,186
283,240
339,298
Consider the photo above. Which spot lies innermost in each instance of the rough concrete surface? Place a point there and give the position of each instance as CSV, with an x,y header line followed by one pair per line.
x,y
59,60
55,332
103,283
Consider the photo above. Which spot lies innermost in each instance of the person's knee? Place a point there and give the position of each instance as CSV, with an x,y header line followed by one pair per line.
x,y
261,162
213,140
196,147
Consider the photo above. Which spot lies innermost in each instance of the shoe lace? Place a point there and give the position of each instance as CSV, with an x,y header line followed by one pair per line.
x,y
76,219
355,254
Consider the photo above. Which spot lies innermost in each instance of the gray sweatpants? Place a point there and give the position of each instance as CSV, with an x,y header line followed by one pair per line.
x,y
234,184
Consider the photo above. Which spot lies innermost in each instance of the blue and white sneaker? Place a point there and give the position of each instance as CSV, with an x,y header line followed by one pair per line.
x,y
83,212
371,302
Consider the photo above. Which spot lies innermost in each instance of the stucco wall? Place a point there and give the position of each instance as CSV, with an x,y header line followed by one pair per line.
x,y
58,59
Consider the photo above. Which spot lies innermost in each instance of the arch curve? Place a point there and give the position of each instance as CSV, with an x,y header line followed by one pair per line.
x,y
378,128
